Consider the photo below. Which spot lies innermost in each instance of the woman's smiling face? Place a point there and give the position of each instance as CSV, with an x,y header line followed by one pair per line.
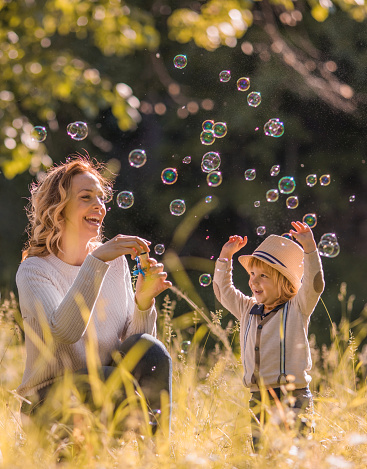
x,y
85,210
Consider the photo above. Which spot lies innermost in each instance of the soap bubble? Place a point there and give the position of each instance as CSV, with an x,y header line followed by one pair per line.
x,y
286,185
180,61
287,235
169,176
328,249
224,76
77,130
137,158
311,180
205,280
210,161
250,174
187,160
257,203
177,207
254,99
292,202
159,249
325,179
214,179
220,129
38,134
208,199
274,128
352,198
154,416
208,125
272,195
243,84
207,137
260,230
310,219
274,170
329,237
185,345
125,199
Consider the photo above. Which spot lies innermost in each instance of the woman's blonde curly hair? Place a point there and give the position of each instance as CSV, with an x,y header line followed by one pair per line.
x,y
48,200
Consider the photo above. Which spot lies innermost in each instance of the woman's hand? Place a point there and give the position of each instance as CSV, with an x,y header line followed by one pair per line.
x,y
234,244
303,234
121,245
151,285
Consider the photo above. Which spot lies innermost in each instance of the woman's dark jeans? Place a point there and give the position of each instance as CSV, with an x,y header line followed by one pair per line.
x,y
298,400
152,372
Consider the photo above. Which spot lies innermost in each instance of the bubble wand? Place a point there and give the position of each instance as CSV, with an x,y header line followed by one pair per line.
x,y
142,265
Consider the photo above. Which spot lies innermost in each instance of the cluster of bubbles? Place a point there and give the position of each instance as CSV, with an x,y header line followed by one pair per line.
x,y
243,84
205,280
77,130
211,131
159,249
125,199
311,180
328,245
210,162
180,61
274,128
137,158
250,174
310,219
169,176
177,207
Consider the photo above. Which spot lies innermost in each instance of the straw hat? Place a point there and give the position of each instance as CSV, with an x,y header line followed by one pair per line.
x,y
282,254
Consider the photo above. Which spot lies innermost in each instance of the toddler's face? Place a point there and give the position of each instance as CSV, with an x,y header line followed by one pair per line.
x,y
263,286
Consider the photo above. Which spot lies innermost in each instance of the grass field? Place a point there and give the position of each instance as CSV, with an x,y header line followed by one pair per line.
x,y
210,416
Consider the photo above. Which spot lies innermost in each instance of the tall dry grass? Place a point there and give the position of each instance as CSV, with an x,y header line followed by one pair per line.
x,y
210,416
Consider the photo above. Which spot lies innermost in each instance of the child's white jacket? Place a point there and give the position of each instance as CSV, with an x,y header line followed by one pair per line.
x,y
260,339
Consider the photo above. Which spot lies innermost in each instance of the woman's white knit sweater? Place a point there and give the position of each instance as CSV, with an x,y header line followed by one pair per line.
x,y
63,306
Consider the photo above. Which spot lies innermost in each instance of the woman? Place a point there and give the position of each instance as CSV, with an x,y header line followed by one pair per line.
x,y
75,291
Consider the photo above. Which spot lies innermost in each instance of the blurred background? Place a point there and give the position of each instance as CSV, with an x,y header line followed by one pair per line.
x,y
110,64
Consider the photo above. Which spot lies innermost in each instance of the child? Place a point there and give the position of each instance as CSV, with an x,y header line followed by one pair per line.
x,y
286,282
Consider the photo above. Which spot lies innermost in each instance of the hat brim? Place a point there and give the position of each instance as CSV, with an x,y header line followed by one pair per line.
x,y
245,260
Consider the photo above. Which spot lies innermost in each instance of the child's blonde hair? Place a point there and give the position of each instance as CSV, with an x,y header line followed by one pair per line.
x,y
286,289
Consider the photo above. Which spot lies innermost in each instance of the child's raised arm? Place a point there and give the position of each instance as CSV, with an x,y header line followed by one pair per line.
x,y
232,246
303,234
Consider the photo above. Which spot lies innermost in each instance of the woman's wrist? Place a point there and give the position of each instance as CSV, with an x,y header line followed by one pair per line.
x,y
144,303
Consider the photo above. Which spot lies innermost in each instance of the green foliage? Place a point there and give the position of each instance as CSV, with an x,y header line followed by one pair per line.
x,y
41,73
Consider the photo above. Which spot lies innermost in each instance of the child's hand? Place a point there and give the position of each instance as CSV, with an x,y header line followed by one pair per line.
x,y
234,244
303,234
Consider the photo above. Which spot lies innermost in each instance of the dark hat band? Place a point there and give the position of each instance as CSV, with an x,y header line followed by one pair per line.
x,y
266,256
